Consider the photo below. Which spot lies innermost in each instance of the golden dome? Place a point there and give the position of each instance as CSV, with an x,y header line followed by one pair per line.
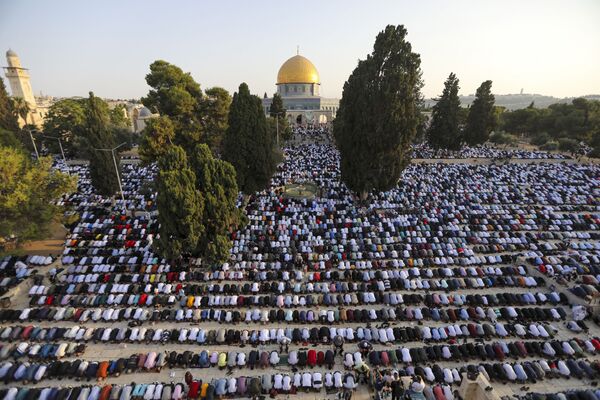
x,y
297,69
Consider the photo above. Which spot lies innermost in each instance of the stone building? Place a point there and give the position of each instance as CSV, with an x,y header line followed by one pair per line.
x,y
299,85
20,86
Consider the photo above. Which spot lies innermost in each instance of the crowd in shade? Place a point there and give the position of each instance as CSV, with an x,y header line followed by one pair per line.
x,y
423,150
462,269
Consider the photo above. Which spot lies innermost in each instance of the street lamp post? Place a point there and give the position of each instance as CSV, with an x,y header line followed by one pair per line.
x,y
37,155
59,144
112,151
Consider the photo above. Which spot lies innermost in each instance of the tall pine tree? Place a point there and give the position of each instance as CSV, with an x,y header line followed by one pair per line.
x,y
482,116
99,136
247,145
180,205
379,114
8,120
444,130
276,108
216,182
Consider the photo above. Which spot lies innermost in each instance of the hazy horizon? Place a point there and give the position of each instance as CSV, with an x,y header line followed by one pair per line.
x,y
543,47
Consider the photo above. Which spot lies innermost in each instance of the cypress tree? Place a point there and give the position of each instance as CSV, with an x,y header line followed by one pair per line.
x,y
99,136
379,114
215,180
444,130
180,205
247,144
8,119
482,118
276,108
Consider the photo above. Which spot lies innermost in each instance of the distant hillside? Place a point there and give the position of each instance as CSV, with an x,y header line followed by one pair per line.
x,y
516,101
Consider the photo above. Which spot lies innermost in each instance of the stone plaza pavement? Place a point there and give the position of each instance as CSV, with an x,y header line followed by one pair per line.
x,y
108,351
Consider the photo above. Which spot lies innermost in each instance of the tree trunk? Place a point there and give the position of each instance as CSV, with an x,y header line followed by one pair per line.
x,y
363,196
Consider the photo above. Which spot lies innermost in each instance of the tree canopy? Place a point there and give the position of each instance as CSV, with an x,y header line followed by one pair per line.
x,y
159,133
578,120
482,116
8,118
21,109
247,144
180,205
176,95
98,136
276,108
216,112
28,190
379,114
197,192
444,130
215,179
196,118
66,119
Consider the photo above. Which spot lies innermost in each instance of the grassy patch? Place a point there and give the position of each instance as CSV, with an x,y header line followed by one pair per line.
x,y
306,190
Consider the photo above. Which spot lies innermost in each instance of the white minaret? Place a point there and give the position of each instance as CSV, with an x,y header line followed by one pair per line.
x,y
18,78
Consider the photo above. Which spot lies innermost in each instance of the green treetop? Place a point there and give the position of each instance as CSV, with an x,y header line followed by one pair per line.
x,y
216,181
444,130
247,144
8,119
98,136
276,108
215,114
482,116
28,190
379,114
180,205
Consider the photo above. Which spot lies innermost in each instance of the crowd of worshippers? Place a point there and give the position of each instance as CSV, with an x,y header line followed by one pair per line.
x,y
350,271
495,351
423,150
40,351
310,132
517,371
243,386
233,387
13,270
383,333
356,372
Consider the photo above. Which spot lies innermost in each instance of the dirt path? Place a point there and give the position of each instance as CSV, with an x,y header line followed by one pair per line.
x,y
53,245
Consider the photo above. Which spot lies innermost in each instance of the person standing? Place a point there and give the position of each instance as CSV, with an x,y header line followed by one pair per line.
x,y
397,388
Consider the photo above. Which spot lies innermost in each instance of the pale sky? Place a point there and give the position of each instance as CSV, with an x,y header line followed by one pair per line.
x,y
71,47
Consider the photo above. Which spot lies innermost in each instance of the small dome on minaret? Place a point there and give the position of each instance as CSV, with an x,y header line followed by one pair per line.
x,y
11,53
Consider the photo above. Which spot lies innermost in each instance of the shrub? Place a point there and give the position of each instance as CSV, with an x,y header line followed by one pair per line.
x,y
502,138
567,144
540,139
549,146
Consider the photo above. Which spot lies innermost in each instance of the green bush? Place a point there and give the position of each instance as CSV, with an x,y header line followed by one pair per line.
x,y
540,139
567,144
549,146
502,138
